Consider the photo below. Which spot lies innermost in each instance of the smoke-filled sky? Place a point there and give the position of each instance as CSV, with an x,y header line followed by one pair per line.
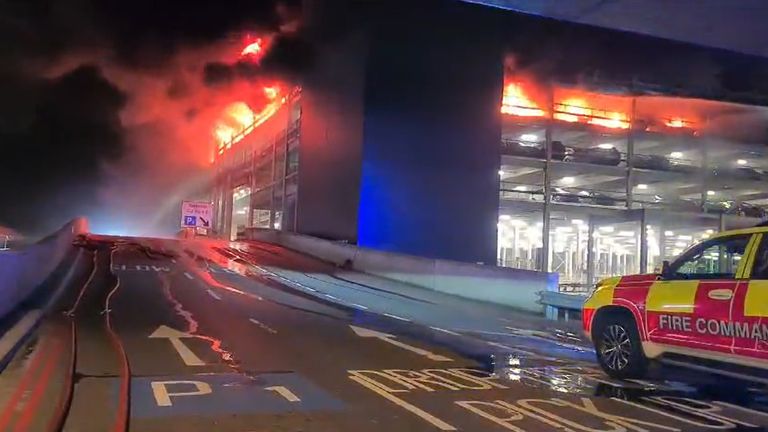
x,y
106,106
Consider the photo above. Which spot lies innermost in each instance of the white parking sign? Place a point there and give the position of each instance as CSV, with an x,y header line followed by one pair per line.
x,y
196,214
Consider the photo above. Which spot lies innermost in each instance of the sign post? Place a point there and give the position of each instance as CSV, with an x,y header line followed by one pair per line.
x,y
196,214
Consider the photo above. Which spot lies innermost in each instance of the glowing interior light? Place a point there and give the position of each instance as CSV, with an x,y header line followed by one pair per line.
x,y
568,180
676,155
741,162
642,186
606,146
710,192
528,137
669,233
521,188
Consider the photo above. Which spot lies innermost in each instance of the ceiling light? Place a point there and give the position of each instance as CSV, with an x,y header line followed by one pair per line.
x,y
606,146
577,221
528,137
684,237
568,180
642,186
669,233
606,229
741,161
563,229
710,231
521,188
681,244
505,217
518,223
501,172
676,155
710,192
626,233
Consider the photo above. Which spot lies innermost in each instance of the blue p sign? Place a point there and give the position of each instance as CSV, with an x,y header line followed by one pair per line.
x,y
190,220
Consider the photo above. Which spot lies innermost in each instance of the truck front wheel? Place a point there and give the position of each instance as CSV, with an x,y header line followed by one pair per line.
x,y
617,343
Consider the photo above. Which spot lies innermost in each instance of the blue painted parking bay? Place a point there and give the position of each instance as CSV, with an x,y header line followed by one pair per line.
x,y
218,394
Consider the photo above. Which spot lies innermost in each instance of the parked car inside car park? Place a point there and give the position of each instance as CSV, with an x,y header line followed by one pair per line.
x,y
710,304
532,149
597,156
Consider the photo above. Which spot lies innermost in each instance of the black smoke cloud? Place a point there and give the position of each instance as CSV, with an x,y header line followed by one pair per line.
x,y
287,58
62,130
53,142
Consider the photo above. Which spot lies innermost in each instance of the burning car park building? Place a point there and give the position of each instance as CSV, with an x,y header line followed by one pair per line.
x,y
459,131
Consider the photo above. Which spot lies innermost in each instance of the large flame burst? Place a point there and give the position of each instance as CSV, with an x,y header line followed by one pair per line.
x,y
238,118
580,109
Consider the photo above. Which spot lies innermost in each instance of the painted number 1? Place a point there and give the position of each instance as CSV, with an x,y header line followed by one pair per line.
x,y
284,392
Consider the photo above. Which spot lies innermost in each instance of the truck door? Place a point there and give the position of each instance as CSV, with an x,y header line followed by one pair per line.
x,y
750,306
688,308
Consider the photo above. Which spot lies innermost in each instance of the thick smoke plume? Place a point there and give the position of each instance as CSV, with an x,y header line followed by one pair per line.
x,y
106,107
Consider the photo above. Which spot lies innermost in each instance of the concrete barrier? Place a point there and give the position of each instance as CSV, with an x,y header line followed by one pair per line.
x,y
21,271
500,285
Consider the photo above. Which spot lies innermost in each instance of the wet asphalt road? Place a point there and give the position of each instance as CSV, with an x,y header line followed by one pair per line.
x,y
213,336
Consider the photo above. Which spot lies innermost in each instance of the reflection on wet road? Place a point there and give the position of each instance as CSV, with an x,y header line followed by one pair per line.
x,y
238,337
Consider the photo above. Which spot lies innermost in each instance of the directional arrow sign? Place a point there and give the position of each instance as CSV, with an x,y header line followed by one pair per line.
x,y
368,333
175,336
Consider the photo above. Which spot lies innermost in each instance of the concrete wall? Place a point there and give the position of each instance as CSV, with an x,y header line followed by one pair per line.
x,y
510,287
331,131
22,271
431,149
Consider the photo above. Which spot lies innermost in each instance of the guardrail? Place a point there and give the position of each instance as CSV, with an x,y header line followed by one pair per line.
x,y
499,285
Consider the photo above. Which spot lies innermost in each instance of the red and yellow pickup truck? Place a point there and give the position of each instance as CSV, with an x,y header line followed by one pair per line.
x,y
710,303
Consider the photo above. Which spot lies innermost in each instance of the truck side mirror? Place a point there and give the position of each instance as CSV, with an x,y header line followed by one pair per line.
x,y
665,270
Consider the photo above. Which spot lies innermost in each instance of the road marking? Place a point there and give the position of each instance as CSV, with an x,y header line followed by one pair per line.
x,y
396,317
359,306
189,276
263,326
163,396
284,392
214,295
367,333
445,331
175,336
331,297
440,424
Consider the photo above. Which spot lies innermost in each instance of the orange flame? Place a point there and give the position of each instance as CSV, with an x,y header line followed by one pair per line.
x,y
253,49
571,110
677,123
515,102
238,120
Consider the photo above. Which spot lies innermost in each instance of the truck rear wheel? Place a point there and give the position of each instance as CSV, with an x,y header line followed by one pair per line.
x,y
618,346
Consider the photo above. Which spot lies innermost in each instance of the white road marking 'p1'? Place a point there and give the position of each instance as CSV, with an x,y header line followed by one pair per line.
x,y
163,396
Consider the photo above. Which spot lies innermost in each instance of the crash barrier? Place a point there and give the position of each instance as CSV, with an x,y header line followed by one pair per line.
x,y
23,270
555,301
500,285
